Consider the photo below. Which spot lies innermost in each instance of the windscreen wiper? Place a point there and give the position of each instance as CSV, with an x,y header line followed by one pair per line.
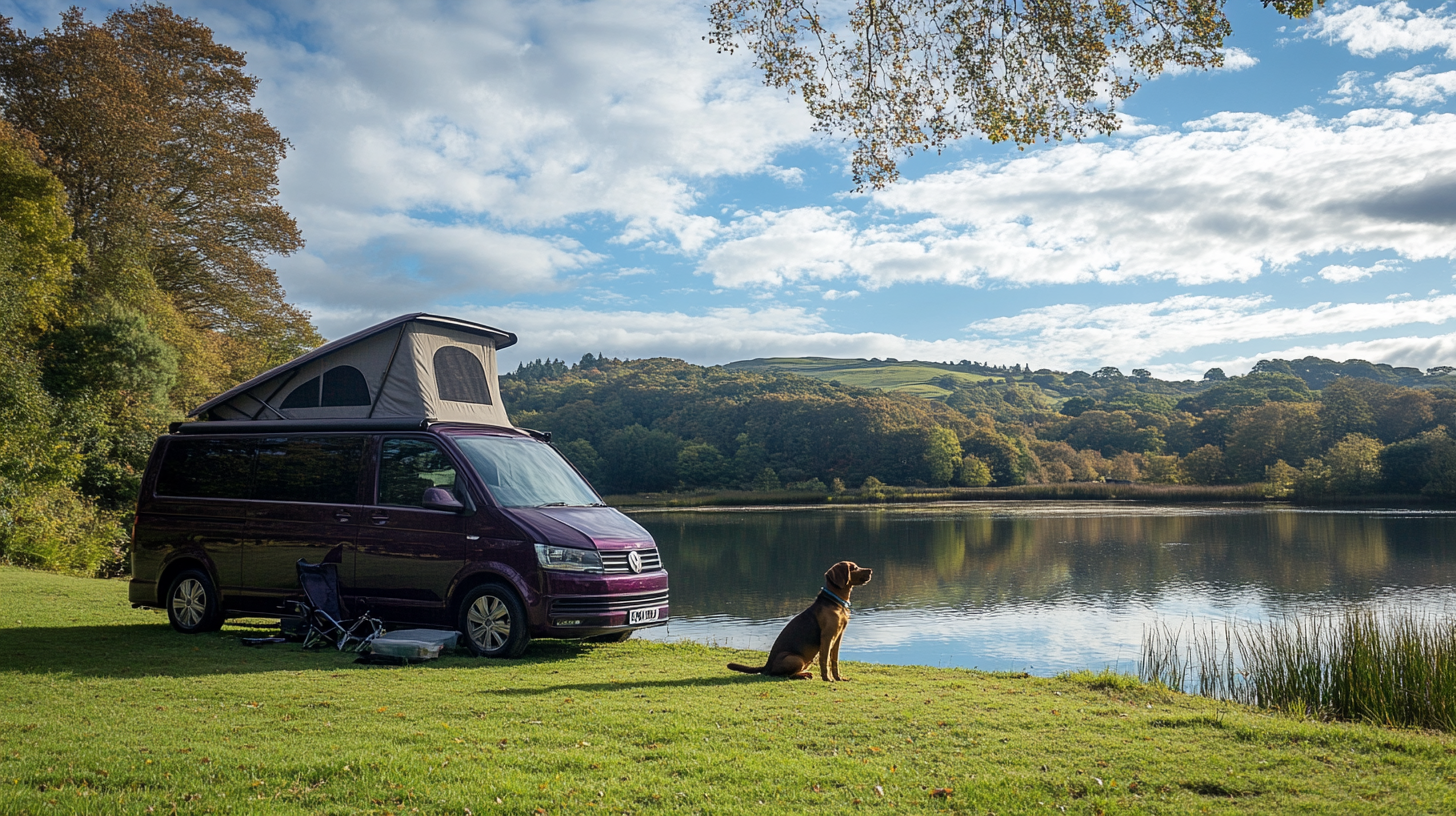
x,y
552,504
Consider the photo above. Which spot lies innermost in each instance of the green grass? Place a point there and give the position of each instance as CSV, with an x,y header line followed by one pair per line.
x,y
911,376
104,710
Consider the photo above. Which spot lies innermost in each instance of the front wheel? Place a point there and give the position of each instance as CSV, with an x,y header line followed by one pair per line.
x,y
494,622
193,604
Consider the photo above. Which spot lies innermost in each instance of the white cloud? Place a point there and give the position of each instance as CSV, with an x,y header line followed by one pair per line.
x,y
1417,86
508,120
1234,59
1415,352
1232,196
1065,336
1336,273
1368,31
1077,335
1349,90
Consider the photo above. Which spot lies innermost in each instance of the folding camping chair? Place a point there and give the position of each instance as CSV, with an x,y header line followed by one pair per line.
x,y
325,620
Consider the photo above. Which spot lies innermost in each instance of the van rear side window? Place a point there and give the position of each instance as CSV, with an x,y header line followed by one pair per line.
x,y
323,469
207,469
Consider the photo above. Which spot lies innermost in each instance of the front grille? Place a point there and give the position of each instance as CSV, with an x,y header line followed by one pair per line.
x,y
614,562
609,603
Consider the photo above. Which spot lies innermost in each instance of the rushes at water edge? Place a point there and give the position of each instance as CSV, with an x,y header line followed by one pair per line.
x,y
1381,665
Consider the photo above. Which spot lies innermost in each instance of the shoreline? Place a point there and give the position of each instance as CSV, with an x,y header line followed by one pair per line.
x,y
1073,491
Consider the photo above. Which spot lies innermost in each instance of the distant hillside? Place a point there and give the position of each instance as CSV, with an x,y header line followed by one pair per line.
x,y
1311,428
938,381
923,379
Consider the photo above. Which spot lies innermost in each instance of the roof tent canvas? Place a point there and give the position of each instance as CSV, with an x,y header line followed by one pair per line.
x,y
416,366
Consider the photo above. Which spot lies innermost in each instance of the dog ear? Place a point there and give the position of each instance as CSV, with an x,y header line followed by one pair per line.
x,y
838,575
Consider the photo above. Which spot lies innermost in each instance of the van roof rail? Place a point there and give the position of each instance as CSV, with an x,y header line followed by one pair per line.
x,y
296,425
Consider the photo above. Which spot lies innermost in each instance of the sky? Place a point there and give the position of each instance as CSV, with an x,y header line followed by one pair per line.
x,y
595,177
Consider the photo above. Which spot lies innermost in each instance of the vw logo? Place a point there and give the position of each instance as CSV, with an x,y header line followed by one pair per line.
x,y
634,561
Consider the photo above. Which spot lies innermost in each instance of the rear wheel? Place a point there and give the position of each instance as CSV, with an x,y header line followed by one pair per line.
x,y
494,622
193,605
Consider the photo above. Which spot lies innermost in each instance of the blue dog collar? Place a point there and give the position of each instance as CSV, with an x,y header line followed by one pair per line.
x,y
842,602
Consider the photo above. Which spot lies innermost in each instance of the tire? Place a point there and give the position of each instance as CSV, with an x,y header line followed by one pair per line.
x,y
615,637
193,604
494,622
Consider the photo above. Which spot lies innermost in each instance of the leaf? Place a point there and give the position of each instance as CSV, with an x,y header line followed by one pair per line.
x,y
879,790
943,793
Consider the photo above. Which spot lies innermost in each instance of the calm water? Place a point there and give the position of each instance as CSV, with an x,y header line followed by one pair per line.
x,y
1038,587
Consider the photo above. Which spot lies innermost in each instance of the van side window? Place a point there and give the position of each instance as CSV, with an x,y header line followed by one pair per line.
x,y
322,469
207,469
408,467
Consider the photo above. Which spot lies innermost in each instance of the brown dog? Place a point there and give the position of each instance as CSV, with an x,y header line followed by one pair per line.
x,y
816,630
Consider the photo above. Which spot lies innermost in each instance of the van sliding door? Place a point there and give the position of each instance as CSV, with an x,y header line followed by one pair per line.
x,y
306,492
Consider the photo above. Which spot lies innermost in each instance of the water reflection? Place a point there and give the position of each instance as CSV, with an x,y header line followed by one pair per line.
x,y
1040,587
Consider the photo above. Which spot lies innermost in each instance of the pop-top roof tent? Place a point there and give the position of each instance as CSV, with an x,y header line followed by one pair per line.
x,y
415,367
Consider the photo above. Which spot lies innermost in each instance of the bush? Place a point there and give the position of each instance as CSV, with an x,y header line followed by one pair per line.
x,y
53,528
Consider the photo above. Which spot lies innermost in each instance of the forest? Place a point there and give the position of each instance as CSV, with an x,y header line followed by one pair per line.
x,y
1310,429
138,189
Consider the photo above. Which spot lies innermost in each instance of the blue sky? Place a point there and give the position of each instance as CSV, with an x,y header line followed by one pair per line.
x,y
596,178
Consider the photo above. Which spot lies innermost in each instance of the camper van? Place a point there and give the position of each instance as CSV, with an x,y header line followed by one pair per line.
x,y
388,453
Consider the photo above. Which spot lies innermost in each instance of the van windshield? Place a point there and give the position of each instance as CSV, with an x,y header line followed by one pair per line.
x,y
522,472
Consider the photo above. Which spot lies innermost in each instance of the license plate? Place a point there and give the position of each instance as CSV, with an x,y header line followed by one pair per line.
x,y
641,615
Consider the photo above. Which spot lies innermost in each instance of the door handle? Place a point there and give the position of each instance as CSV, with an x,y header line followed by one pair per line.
x,y
379,517
342,515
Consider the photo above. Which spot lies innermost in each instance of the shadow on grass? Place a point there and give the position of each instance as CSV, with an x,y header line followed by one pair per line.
x,y
154,649
626,685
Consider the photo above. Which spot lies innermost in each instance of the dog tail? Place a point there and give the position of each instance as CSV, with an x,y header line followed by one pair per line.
x,y
747,669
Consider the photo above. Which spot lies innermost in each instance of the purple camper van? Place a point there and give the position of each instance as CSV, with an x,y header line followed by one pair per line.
x,y
387,453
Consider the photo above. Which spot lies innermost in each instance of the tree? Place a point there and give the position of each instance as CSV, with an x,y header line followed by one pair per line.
x,y
1076,406
1288,431
1354,464
1214,375
942,455
1344,410
973,472
637,460
1204,466
700,464
1279,479
171,177
900,76
766,480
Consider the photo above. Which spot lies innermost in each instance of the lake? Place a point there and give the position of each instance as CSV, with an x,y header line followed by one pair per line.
x,y
1038,586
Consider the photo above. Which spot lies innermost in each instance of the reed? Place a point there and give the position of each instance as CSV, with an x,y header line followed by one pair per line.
x,y
1385,665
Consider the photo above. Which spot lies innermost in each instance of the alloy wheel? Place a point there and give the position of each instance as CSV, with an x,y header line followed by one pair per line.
x,y
490,623
189,602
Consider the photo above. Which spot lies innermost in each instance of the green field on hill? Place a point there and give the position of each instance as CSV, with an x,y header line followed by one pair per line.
x,y
105,710
911,377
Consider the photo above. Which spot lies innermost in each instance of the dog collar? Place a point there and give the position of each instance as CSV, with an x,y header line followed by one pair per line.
x,y
842,602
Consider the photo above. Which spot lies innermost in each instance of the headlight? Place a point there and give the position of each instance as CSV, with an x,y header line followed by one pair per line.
x,y
569,559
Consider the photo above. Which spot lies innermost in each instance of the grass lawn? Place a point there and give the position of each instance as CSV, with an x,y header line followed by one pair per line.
x,y
103,709
911,377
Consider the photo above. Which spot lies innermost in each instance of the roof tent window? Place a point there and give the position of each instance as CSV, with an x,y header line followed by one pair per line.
x,y
304,396
460,376
344,385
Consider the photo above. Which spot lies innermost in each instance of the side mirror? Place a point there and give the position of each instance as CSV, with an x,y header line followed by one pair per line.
x,y
438,498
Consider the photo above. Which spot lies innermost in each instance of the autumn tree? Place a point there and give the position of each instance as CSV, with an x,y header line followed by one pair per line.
x,y
900,76
171,181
